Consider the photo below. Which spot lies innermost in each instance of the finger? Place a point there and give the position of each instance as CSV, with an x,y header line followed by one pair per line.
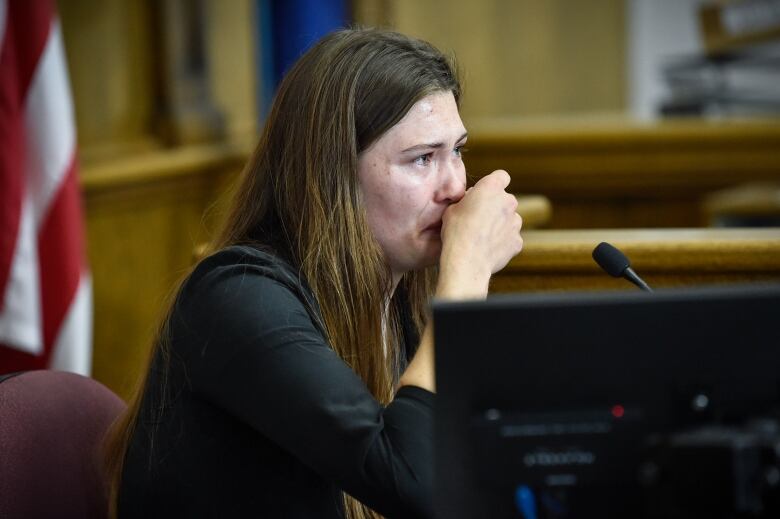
x,y
498,178
502,178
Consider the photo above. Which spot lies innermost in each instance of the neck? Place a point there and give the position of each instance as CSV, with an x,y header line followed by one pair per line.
x,y
394,281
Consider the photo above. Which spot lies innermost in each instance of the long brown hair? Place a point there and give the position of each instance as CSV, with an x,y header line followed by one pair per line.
x,y
299,196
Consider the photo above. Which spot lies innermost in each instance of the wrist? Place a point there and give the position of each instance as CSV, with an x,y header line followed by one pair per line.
x,y
462,281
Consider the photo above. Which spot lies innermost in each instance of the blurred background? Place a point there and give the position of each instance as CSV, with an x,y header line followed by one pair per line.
x,y
621,114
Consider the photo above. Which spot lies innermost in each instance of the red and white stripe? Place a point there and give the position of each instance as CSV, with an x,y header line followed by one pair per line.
x,y
45,287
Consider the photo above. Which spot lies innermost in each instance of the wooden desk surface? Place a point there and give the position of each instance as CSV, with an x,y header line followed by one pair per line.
x,y
561,259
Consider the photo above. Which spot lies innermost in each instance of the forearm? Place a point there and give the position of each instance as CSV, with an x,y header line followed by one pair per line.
x,y
455,283
420,371
480,234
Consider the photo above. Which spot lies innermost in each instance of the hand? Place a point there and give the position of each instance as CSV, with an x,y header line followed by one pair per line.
x,y
480,234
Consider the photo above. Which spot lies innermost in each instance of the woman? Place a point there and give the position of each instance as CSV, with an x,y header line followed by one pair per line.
x,y
293,375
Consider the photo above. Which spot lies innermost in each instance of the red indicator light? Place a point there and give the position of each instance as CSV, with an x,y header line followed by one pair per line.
x,y
618,411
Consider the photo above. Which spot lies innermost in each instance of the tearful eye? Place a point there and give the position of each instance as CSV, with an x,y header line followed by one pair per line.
x,y
423,160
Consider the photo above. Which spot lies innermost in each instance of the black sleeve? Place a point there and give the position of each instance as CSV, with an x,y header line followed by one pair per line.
x,y
262,359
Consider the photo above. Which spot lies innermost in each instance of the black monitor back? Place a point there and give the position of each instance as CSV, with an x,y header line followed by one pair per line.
x,y
564,393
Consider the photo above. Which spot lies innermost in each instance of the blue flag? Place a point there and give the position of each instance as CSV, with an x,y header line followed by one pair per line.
x,y
287,28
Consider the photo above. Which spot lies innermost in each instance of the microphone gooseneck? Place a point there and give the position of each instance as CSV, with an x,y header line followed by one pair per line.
x,y
616,264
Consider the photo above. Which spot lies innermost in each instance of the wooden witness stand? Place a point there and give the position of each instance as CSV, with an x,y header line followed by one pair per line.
x,y
612,173
561,259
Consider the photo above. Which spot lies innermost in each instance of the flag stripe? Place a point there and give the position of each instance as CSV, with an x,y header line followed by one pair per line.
x,y
20,319
49,118
26,31
60,251
3,12
46,288
12,360
70,351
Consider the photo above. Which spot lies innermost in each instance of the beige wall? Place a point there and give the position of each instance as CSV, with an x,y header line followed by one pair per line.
x,y
521,57
112,55
518,58
230,37
109,48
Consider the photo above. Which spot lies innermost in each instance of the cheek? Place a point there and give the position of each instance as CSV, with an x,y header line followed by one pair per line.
x,y
405,203
389,211
391,193
394,215
377,195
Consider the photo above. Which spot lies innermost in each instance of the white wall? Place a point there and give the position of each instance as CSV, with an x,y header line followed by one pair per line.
x,y
657,30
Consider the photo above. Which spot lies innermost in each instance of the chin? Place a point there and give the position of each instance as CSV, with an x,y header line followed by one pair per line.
x,y
431,257
418,257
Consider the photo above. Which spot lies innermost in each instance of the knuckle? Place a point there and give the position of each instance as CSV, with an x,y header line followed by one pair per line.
x,y
499,176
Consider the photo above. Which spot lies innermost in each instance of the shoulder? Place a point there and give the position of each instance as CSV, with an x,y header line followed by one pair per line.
x,y
240,302
244,279
248,259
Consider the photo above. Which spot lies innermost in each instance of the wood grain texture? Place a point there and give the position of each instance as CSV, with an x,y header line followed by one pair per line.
x,y
109,49
520,57
535,210
561,259
755,200
113,56
144,216
607,172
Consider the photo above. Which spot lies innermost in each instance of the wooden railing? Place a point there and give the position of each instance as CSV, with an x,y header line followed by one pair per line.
x,y
145,213
613,173
561,259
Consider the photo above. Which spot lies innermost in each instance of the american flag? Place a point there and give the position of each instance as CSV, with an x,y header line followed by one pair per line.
x,y
45,286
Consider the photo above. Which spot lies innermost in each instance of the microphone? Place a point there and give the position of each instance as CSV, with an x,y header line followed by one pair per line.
x,y
616,264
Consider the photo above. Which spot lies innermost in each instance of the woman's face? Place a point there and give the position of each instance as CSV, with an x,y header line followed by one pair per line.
x,y
409,176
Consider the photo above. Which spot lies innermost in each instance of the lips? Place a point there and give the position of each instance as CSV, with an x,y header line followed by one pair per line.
x,y
434,227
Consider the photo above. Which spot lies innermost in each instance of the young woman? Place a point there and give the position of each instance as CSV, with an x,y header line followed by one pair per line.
x,y
293,375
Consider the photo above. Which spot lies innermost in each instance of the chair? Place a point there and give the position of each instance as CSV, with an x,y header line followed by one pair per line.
x,y
51,428
745,205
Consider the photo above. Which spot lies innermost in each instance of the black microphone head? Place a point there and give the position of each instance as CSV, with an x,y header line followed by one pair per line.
x,y
611,259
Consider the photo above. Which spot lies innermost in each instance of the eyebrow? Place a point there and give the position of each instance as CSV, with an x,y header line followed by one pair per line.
x,y
432,145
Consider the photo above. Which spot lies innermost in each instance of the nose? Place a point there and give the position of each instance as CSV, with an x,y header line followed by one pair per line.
x,y
452,184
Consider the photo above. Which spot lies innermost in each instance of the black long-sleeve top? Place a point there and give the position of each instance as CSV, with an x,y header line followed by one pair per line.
x,y
260,417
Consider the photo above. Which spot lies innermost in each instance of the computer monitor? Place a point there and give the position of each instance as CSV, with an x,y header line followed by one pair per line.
x,y
594,404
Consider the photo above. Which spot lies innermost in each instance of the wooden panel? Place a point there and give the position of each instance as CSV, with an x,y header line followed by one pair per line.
x,y
187,111
617,173
535,210
230,31
114,55
144,216
747,203
561,259
521,57
109,51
